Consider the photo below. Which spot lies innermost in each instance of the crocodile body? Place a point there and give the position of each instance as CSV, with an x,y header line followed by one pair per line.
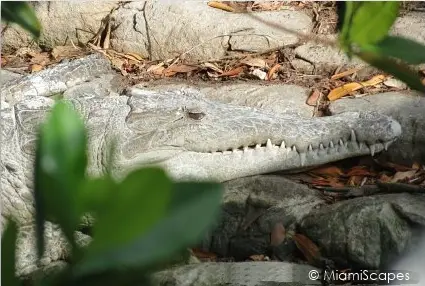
x,y
182,131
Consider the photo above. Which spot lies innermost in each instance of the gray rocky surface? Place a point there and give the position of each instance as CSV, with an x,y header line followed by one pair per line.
x,y
327,59
188,27
411,25
237,274
6,76
324,58
252,207
366,232
63,23
199,31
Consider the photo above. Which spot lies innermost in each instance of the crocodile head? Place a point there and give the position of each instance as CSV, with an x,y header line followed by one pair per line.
x,y
193,137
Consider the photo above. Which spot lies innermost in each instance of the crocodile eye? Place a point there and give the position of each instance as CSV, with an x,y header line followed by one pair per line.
x,y
196,115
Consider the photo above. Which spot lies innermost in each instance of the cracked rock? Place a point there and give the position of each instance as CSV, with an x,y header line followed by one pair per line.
x,y
199,31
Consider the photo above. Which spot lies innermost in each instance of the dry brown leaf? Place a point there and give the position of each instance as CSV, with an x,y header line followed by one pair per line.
x,y
341,91
117,63
416,166
329,171
40,59
308,248
272,71
156,69
221,6
203,254
182,68
135,56
257,257
355,180
277,235
212,75
25,52
233,72
254,62
384,178
268,5
360,171
348,88
61,52
346,73
212,66
403,176
35,68
314,97
329,182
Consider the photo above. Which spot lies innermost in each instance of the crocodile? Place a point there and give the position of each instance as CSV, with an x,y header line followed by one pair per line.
x,y
190,136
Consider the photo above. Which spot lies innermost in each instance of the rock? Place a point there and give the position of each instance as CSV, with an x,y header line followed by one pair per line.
x,y
302,66
252,207
410,207
365,232
199,31
326,59
393,82
6,76
411,25
237,274
408,109
413,262
62,23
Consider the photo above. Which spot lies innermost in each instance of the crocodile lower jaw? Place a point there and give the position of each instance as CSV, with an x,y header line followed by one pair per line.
x,y
263,158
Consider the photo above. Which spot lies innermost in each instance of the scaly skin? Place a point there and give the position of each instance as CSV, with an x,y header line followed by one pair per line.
x,y
188,135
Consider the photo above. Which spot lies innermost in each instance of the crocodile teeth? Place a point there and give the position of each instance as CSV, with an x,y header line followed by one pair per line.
x,y
294,148
341,143
310,148
282,145
331,144
258,146
234,150
269,143
353,136
245,149
321,146
302,158
386,145
372,149
361,145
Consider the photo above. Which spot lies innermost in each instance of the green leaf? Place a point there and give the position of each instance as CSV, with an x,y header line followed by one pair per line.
x,y
8,258
138,202
371,22
404,49
60,170
95,193
193,209
399,70
21,13
345,12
